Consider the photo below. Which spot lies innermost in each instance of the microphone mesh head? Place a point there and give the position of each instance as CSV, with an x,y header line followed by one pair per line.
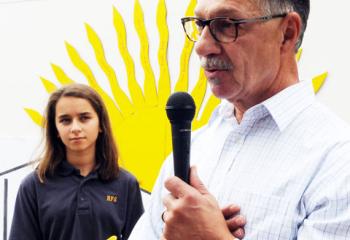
x,y
180,107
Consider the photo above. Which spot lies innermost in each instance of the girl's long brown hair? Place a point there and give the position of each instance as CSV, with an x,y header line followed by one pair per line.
x,y
54,150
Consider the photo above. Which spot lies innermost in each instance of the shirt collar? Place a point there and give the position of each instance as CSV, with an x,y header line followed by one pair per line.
x,y
282,107
66,169
287,104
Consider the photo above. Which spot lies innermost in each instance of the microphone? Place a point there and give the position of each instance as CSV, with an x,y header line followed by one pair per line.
x,y
180,109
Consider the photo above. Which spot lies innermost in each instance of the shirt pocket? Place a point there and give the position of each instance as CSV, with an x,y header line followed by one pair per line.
x,y
268,216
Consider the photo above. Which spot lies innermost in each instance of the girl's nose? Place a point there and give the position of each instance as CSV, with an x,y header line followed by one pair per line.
x,y
76,128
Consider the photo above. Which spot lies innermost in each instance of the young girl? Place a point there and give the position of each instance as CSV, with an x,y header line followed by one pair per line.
x,y
78,191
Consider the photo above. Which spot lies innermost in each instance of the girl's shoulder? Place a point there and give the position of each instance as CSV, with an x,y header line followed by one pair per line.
x,y
31,179
124,180
29,183
124,175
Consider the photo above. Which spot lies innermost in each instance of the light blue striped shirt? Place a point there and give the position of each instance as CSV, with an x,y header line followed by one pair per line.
x,y
287,165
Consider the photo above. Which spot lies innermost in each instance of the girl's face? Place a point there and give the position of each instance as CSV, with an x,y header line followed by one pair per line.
x,y
77,124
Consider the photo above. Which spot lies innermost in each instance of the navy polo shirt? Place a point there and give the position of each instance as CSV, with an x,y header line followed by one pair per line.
x,y
69,206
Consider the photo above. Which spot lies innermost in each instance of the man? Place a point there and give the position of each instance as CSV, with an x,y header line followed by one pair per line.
x,y
269,147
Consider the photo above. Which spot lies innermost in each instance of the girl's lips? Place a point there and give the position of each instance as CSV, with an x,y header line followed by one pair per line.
x,y
77,138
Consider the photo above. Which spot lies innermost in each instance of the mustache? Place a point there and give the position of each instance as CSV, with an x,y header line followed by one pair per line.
x,y
216,63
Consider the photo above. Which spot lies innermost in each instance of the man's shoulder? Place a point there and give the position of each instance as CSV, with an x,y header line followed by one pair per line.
x,y
329,120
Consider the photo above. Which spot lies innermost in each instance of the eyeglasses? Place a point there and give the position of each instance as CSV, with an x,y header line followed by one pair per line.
x,y
223,29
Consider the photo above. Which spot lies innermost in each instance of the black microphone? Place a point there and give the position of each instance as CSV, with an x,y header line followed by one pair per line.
x,y
180,109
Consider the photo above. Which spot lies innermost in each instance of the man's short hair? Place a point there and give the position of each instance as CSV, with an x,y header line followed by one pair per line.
x,y
302,7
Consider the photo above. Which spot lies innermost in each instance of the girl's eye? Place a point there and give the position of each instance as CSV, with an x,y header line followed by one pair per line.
x,y
84,118
65,121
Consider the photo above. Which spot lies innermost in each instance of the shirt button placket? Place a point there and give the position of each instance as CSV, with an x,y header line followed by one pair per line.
x,y
83,205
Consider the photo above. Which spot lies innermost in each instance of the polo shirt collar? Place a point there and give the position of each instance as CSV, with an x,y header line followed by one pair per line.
x,y
66,169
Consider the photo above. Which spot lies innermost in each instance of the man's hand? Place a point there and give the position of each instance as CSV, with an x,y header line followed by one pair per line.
x,y
193,213
234,221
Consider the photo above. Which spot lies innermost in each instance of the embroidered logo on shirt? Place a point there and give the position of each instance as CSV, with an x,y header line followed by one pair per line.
x,y
112,198
112,238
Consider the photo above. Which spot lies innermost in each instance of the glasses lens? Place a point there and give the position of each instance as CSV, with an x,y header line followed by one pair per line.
x,y
223,29
193,29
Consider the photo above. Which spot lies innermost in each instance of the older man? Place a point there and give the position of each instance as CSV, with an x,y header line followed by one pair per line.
x,y
269,147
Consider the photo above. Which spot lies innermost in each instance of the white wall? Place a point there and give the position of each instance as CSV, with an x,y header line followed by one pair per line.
x,y
32,35
326,48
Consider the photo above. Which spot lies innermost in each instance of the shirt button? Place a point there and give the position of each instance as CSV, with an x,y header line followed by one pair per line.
x,y
82,199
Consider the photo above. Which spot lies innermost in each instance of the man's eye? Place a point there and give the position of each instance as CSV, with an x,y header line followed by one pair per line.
x,y
224,25
198,24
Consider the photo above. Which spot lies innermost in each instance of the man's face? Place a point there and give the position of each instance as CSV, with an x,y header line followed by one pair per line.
x,y
244,71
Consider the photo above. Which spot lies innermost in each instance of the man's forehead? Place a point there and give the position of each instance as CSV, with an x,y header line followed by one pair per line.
x,y
211,8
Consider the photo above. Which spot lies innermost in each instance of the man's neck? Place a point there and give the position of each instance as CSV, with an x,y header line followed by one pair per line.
x,y
286,76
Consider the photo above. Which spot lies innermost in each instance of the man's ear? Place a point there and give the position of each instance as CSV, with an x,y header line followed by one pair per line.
x,y
292,26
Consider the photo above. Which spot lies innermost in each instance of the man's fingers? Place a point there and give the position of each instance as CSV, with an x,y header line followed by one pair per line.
x,y
196,182
238,233
177,187
169,201
230,211
236,222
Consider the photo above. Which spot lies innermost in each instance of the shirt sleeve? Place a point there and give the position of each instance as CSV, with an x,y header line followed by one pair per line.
x,y
25,222
326,202
150,225
135,207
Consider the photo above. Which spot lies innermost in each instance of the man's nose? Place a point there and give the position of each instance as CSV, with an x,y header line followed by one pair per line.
x,y
206,44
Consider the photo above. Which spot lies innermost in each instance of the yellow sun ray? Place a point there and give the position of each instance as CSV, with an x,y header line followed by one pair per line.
x,y
182,82
84,68
298,55
198,92
122,99
49,86
60,75
134,88
149,81
208,109
318,81
35,116
164,76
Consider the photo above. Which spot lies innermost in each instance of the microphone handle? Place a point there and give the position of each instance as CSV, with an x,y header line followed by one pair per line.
x,y
181,136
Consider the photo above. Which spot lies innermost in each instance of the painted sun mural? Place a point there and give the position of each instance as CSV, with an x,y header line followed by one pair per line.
x,y
139,122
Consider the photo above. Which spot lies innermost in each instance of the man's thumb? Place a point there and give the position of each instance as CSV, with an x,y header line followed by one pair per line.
x,y
196,182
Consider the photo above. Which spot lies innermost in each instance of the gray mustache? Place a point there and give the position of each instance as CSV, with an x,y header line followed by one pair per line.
x,y
215,63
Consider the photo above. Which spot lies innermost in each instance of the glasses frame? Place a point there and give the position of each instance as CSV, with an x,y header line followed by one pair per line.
x,y
235,22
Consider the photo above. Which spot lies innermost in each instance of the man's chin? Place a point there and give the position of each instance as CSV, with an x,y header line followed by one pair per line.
x,y
214,82
218,92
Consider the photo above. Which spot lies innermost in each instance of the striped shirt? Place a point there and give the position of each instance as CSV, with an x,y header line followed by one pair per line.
x,y
286,164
